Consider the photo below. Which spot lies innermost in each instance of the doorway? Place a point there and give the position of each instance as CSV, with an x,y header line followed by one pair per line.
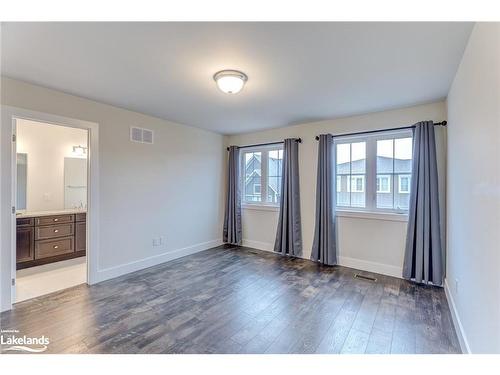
x,y
81,196
51,208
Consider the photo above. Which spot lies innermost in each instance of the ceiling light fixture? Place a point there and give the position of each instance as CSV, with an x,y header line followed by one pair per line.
x,y
79,150
230,81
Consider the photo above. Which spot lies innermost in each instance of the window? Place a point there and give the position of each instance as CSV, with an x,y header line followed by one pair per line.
x,y
357,184
383,184
374,171
404,184
261,176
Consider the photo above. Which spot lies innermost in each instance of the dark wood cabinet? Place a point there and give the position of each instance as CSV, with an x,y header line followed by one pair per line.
x,y
81,236
47,239
25,248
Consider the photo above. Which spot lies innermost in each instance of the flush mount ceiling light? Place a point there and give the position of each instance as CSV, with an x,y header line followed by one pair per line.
x,y
230,81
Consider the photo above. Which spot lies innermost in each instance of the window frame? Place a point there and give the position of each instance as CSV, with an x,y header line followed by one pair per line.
x,y
264,176
370,175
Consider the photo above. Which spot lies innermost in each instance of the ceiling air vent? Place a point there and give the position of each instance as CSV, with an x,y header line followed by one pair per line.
x,y
141,135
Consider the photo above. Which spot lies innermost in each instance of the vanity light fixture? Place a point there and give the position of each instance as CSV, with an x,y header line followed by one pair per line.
x,y
230,81
79,150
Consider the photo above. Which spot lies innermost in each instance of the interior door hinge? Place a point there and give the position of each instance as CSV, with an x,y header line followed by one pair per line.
x,y
13,137
13,282
13,209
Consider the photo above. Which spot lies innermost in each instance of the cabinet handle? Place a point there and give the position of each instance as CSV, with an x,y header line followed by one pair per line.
x,y
56,230
56,247
56,219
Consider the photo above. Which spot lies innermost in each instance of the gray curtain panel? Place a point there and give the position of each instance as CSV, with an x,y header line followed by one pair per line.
x,y
423,260
324,249
289,233
232,215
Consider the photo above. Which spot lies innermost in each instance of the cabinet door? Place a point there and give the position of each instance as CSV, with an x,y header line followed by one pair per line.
x,y
25,244
81,236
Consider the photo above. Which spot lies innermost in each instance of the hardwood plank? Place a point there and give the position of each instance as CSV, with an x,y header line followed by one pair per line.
x,y
240,300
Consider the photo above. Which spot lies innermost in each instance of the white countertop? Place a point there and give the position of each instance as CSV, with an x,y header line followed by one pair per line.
x,y
50,213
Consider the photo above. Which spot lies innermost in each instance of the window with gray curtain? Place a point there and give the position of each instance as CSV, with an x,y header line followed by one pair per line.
x,y
324,248
423,262
289,231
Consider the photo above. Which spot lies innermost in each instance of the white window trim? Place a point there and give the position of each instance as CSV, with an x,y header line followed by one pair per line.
x,y
370,185
363,214
260,206
263,204
399,183
388,176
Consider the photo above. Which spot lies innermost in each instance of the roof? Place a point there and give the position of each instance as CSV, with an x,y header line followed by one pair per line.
x,y
384,165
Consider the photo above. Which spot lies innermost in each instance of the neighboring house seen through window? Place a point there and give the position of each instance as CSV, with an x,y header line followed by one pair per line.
x,y
261,175
374,171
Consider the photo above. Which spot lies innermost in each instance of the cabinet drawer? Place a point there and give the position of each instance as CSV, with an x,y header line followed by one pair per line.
x,y
56,219
81,217
25,222
50,248
53,231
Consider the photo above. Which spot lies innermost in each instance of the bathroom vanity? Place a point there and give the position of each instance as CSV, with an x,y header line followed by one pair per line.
x,y
50,236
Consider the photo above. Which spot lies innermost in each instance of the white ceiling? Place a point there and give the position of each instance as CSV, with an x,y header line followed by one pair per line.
x,y
298,72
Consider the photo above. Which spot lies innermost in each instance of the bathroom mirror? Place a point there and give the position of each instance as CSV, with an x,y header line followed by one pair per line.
x,y
75,183
22,181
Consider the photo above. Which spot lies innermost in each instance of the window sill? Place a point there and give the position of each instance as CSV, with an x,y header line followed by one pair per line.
x,y
387,216
260,207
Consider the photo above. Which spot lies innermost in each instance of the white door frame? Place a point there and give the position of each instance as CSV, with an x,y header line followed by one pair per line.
x,y
9,116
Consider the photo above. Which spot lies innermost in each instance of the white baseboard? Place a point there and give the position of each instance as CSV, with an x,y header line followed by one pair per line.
x,y
365,265
122,269
266,246
459,329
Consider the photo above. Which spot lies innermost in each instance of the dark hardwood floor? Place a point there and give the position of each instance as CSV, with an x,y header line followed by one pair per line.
x,y
227,300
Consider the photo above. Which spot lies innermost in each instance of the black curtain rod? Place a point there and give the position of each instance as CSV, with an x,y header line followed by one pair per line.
x,y
442,123
266,144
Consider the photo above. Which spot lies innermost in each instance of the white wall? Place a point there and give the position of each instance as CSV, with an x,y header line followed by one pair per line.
x,y
366,243
47,146
473,264
173,188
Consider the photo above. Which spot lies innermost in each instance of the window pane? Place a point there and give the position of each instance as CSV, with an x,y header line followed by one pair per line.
x,y
385,170
402,194
343,160
358,170
274,168
252,177
351,169
403,148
